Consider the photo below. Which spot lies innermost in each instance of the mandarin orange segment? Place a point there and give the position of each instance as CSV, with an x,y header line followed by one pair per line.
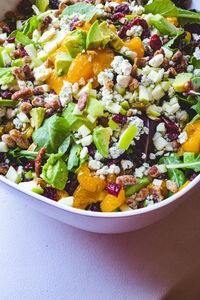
x,y
193,142
136,45
89,182
102,60
56,83
110,202
82,198
85,27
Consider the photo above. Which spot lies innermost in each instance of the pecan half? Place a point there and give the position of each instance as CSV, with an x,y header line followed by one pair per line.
x,y
27,72
177,56
45,23
126,180
4,168
19,139
171,186
157,193
153,172
39,161
38,91
82,101
19,74
6,138
24,94
133,85
25,107
38,102
52,104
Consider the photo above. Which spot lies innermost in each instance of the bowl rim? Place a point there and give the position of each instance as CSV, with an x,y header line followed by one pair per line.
x,y
129,213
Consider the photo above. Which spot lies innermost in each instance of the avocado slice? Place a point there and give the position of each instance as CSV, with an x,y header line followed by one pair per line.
x,y
42,5
180,81
8,103
101,138
94,107
142,182
95,37
196,83
37,115
127,137
109,36
62,63
75,43
163,25
76,121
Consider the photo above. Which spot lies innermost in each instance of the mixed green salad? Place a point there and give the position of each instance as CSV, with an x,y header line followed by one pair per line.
x,y
100,101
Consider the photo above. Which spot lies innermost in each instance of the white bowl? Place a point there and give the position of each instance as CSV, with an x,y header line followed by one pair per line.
x,y
116,222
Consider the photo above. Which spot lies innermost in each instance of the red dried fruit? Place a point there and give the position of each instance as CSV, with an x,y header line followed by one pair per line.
x,y
119,118
155,42
113,189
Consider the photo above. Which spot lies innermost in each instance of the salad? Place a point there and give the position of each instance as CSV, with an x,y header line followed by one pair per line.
x,y
100,101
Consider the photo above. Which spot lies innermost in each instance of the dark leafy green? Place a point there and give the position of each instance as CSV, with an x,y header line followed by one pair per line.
x,y
65,145
196,107
22,38
175,175
187,16
73,159
172,41
30,155
165,8
190,161
83,8
51,134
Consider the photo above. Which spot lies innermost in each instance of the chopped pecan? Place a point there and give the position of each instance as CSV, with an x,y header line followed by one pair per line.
x,y
79,23
140,62
109,84
38,91
175,145
133,85
134,69
16,54
165,63
45,23
41,182
27,71
49,63
5,27
184,62
153,172
25,107
6,138
177,56
52,104
142,195
172,72
126,180
26,59
129,113
171,186
189,86
161,51
39,161
19,74
131,201
4,168
38,102
61,194
157,193
19,139
61,7
82,101
24,94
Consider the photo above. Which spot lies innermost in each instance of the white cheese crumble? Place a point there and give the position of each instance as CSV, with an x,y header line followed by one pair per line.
x,y
66,93
197,53
156,61
183,137
136,30
126,164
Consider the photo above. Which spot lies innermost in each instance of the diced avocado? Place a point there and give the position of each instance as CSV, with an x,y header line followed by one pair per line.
x,y
163,25
142,182
180,81
37,115
101,138
106,32
94,37
8,103
144,94
76,121
62,63
196,83
75,43
94,107
125,105
12,175
42,5
122,111
112,124
109,36
127,137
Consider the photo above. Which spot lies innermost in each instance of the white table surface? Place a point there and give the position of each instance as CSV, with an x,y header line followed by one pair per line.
x,y
42,259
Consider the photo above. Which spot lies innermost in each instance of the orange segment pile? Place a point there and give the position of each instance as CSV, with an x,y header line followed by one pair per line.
x,y
82,198
136,45
110,202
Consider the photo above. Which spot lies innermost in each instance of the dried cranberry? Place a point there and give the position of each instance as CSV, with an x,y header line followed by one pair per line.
x,y
170,124
92,149
52,92
95,206
9,64
50,193
24,53
139,77
140,205
72,27
71,186
11,39
180,70
25,7
123,8
173,135
30,166
89,1
119,118
6,95
193,176
155,42
143,23
117,16
122,31
113,189
113,162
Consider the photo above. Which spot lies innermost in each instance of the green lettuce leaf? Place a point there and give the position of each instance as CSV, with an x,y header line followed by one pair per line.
x,y
190,161
22,38
165,8
82,8
73,159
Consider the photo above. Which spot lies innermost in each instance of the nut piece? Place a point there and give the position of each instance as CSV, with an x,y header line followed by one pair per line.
x,y
131,202
27,72
82,102
24,94
165,63
157,193
172,72
38,91
153,172
133,85
19,139
142,195
171,186
49,63
189,86
6,138
38,102
140,62
52,104
19,74
4,168
177,56
39,161
25,107
126,180
45,23
134,69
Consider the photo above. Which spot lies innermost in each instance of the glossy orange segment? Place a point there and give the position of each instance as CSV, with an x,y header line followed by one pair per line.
x,y
172,20
89,182
61,194
193,142
85,27
112,27
136,45
56,83
110,202
82,198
